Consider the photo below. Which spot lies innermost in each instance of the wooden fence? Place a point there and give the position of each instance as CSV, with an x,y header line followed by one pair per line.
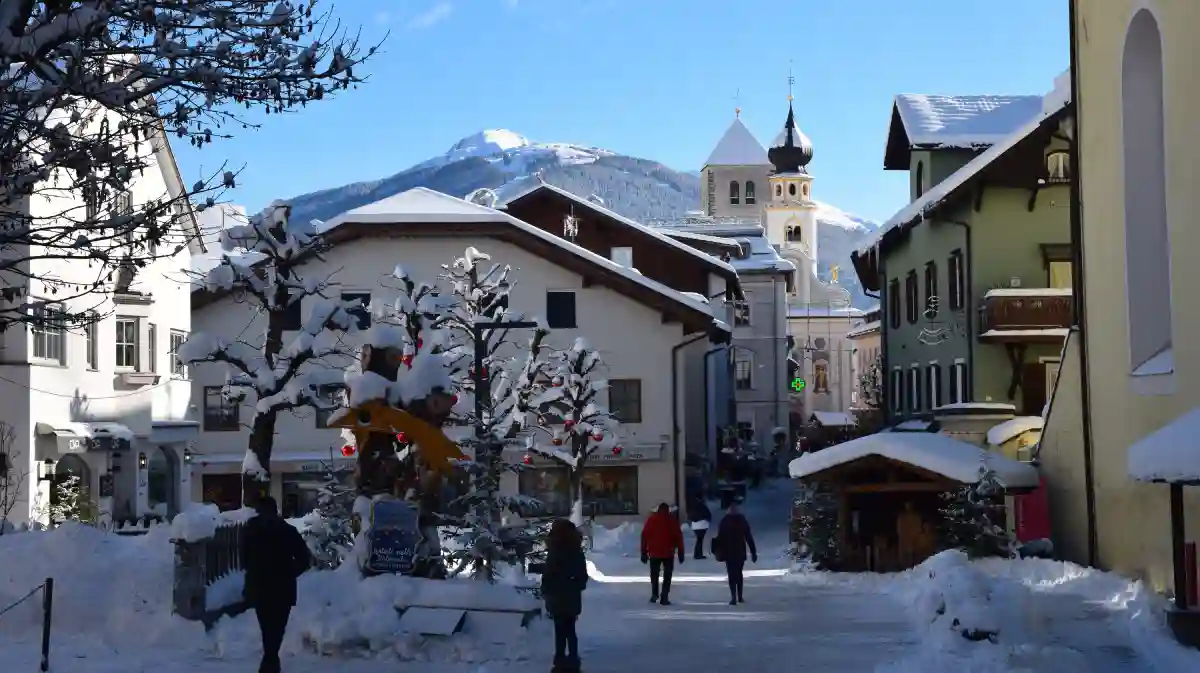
x,y
199,565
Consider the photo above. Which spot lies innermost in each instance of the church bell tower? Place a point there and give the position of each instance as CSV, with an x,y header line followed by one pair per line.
x,y
790,216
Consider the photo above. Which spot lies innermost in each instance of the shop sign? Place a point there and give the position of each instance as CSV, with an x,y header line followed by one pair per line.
x,y
394,538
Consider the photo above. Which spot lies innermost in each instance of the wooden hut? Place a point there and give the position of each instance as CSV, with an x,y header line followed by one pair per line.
x,y
888,486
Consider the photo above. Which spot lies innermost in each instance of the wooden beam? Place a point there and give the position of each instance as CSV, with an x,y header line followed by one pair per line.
x,y
902,487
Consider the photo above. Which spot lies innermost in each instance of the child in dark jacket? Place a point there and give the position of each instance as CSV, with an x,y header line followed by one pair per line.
x,y
733,539
563,581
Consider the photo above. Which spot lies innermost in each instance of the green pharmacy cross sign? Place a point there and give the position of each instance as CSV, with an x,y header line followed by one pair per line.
x,y
798,385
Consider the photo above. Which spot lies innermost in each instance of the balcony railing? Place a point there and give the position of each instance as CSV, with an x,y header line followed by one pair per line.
x,y
1026,313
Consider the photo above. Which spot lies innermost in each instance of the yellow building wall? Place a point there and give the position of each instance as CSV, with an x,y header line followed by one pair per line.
x,y
1133,518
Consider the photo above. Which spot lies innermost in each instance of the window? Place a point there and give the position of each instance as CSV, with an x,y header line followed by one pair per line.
x,y
625,399
1059,275
821,378
751,198
957,280
560,309
778,190
362,314
1058,166
1052,367
911,297
293,316
127,343
220,412
745,431
49,332
791,189
91,200
152,347
893,297
919,181
607,490
743,372
329,395
806,191
933,383
931,290
622,256
914,389
741,313
91,346
958,382
178,369
897,391
735,193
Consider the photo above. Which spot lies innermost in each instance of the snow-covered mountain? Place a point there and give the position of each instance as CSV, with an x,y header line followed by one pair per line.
x,y
508,162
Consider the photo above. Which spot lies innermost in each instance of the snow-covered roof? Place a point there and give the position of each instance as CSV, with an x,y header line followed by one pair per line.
x,y
738,147
1003,432
823,311
995,407
1170,454
931,451
763,257
1028,292
963,121
424,205
918,209
863,330
89,430
633,224
1048,332
833,419
702,238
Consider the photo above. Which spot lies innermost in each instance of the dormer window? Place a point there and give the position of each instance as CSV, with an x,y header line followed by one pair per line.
x,y
735,196
1058,166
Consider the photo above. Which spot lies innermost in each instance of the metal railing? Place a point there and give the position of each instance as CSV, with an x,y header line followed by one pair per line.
x,y
47,589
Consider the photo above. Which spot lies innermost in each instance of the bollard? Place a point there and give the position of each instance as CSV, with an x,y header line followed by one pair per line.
x,y
47,609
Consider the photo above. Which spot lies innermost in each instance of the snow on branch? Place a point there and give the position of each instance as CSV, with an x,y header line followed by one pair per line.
x,y
573,419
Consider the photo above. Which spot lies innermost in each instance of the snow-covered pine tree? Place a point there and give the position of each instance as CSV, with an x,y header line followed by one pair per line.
x,y
973,518
577,424
69,501
816,526
90,93
263,261
483,539
330,536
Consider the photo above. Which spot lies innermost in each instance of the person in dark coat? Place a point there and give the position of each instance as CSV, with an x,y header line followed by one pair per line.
x,y
274,555
733,539
563,580
700,520
662,539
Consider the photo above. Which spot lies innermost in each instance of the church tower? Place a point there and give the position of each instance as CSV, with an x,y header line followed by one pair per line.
x,y
735,175
791,215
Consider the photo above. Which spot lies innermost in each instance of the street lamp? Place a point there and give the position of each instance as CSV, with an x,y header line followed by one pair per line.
x,y
142,461
46,470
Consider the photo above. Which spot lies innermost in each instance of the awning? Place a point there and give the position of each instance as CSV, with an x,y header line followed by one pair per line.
x,y
76,437
173,432
931,451
309,461
1171,454
833,419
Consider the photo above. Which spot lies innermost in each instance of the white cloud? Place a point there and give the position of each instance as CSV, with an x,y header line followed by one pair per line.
x,y
434,15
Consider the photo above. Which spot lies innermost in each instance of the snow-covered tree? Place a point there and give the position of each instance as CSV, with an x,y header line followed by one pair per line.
x,y
14,475
263,262
973,518
330,534
89,91
816,526
574,422
69,501
506,384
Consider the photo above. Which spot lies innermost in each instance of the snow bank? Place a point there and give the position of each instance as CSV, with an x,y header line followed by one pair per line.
x,y
200,521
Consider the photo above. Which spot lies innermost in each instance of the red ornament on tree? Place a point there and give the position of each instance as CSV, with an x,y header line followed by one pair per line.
x,y
348,450
407,360
597,436
616,450
401,437
556,441
568,424
528,459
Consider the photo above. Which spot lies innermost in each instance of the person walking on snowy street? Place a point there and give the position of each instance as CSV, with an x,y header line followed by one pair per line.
x,y
700,519
732,540
274,555
563,581
662,539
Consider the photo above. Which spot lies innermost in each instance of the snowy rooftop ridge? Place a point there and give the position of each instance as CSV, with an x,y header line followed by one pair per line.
x,y
963,121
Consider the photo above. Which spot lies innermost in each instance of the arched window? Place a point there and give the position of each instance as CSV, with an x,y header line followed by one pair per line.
x,y
735,192
805,190
821,377
1147,237
750,200
919,182
791,189
778,190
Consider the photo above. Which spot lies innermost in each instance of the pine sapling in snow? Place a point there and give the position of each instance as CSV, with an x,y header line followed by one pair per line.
x,y
504,385
973,518
263,262
816,526
330,535
574,422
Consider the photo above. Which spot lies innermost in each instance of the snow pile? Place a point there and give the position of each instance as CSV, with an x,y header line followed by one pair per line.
x,y
200,521
622,540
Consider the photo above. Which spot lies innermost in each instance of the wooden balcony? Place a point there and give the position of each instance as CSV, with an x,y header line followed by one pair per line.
x,y
1025,315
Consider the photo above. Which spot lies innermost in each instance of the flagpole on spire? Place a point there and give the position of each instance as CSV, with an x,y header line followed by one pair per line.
x,y
791,80
737,106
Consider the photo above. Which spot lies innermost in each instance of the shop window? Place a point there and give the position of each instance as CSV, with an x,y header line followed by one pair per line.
x,y
608,490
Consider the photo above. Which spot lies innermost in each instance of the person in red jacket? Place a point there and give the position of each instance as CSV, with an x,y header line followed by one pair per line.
x,y
662,540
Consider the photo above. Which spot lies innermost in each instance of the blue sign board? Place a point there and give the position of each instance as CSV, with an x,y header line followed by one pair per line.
x,y
394,539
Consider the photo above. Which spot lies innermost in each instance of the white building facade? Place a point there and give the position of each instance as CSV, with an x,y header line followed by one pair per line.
x,y
641,329
106,403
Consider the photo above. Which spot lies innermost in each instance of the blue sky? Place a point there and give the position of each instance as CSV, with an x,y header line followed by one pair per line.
x,y
650,78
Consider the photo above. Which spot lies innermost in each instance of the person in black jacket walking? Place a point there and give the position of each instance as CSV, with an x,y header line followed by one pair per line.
x,y
274,555
699,520
733,539
563,580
